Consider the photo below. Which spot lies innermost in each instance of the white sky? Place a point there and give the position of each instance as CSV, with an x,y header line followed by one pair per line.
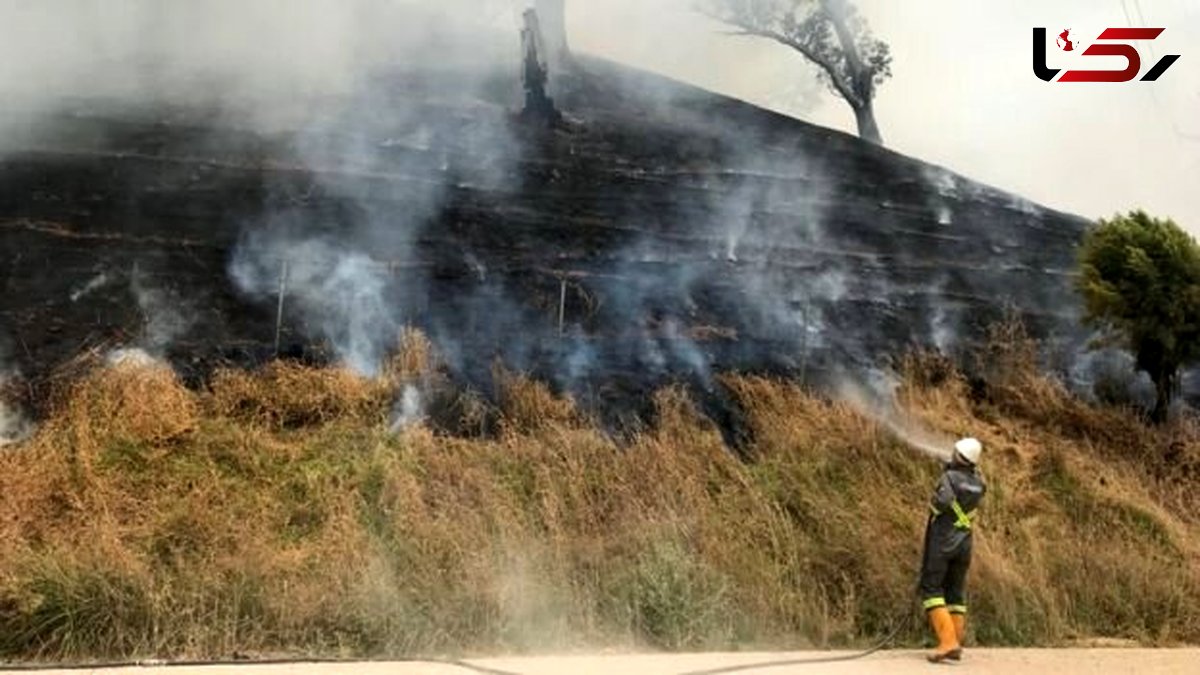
x,y
963,93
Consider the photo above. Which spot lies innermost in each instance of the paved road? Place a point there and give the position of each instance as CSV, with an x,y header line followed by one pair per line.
x,y
989,661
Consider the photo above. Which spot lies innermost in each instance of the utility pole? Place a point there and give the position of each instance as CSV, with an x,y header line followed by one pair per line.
x,y
562,307
283,277
804,343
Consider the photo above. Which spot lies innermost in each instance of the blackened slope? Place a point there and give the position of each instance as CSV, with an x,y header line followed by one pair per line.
x,y
692,232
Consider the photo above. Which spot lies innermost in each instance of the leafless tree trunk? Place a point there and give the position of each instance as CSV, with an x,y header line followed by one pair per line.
x,y
868,128
862,85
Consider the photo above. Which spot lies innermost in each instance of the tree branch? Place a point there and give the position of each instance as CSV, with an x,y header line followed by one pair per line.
x,y
829,68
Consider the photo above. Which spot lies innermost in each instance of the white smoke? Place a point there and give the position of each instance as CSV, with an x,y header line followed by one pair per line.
x,y
264,57
165,315
132,357
339,293
383,154
782,214
382,162
97,282
942,331
945,194
15,427
409,409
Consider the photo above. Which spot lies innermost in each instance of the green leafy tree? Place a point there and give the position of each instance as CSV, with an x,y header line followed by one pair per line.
x,y
1140,280
830,34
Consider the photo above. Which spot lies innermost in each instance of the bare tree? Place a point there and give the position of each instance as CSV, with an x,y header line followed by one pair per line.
x,y
829,33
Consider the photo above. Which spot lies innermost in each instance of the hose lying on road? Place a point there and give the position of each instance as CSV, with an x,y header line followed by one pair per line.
x,y
483,670
783,663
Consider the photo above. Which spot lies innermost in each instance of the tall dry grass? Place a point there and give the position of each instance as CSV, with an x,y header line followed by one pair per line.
x,y
286,395
274,512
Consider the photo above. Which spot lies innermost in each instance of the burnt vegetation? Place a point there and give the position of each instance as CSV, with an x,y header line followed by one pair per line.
x,y
656,233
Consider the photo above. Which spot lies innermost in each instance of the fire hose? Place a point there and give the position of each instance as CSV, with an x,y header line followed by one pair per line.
x,y
783,663
483,670
457,663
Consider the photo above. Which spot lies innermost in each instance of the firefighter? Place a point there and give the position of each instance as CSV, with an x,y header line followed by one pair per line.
x,y
948,549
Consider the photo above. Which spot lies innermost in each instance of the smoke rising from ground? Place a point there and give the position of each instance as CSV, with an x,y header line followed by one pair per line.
x,y
166,315
15,426
340,293
394,110
409,409
132,357
310,69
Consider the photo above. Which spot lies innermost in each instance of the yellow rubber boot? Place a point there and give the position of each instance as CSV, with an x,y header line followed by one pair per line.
x,y
943,628
960,632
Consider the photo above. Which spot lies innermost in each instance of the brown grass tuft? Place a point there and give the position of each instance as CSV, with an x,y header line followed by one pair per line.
x,y
132,402
415,358
286,395
527,405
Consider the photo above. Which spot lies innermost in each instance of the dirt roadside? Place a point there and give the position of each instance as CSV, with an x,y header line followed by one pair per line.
x,y
997,661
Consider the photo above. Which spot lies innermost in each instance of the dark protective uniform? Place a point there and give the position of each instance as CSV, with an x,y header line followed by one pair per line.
x,y
948,538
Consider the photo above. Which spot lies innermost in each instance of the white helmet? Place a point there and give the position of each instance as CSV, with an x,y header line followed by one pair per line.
x,y
969,449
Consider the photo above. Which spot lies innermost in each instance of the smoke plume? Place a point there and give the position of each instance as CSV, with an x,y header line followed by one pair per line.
x,y
166,316
409,409
15,426
650,234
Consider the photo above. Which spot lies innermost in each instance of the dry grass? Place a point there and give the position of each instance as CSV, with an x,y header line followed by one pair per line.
x,y
527,405
139,403
413,359
285,395
275,513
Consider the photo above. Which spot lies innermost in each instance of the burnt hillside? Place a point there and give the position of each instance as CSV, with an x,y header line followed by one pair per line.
x,y
656,231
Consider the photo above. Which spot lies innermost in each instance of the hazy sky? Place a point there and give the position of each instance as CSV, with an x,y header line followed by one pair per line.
x,y
963,93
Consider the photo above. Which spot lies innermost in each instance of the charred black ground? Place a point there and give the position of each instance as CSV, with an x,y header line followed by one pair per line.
x,y
655,232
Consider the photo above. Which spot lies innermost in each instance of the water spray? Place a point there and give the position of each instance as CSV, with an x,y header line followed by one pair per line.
x,y
877,401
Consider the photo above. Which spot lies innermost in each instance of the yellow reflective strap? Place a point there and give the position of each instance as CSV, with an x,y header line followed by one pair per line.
x,y
930,603
958,609
963,521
